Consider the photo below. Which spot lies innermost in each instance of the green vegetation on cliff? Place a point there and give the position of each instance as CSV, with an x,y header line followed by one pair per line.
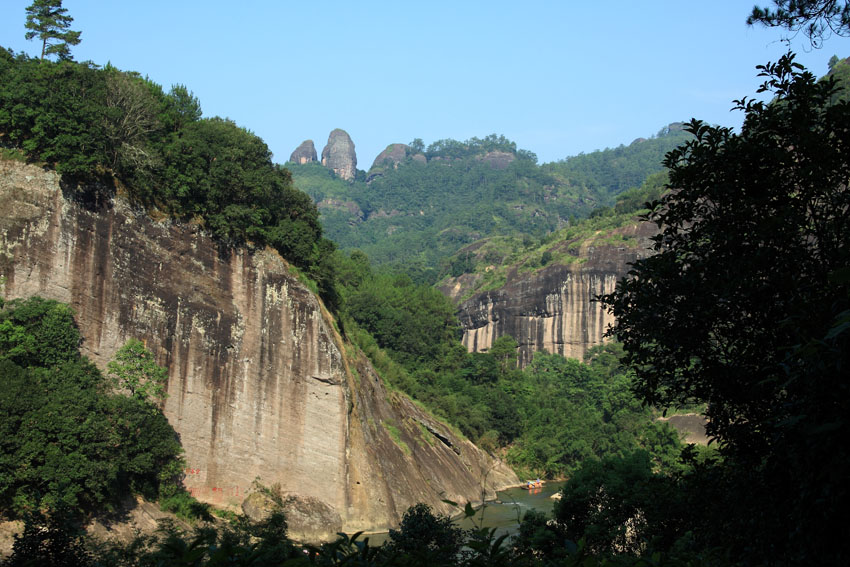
x,y
485,264
68,442
93,124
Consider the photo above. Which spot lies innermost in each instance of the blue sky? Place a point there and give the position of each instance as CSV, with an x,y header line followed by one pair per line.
x,y
558,78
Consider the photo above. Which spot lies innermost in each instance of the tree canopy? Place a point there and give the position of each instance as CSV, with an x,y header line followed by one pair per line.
x,y
64,438
746,305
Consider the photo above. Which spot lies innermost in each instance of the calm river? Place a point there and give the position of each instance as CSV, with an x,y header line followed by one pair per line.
x,y
505,514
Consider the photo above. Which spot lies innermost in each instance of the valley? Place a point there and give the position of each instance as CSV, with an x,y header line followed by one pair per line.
x,y
210,357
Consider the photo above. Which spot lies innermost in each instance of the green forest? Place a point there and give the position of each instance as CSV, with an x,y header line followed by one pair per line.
x,y
412,217
743,312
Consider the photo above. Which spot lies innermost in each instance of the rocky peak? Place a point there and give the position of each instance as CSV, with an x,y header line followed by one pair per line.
x,y
339,154
305,153
394,153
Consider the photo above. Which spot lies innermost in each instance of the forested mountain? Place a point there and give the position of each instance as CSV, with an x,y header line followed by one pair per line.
x,y
741,308
415,213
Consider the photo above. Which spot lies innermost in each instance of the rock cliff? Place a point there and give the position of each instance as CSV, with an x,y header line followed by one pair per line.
x,y
305,153
552,308
339,155
497,159
260,384
394,153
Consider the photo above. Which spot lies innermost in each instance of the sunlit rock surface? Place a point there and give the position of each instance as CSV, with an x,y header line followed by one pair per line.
x,y
339,154
553,308
260,385
305,153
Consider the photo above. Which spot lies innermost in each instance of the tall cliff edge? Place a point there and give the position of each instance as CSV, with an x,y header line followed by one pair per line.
x,y
260,384
551,308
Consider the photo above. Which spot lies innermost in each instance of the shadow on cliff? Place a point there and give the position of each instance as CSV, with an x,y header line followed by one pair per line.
x,y
95,195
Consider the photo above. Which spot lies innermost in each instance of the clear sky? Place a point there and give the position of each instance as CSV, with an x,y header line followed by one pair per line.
x,y
556,77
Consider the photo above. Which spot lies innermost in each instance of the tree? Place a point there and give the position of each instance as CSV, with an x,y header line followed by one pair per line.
x,y
55,539
504,350
129,120
745,305
63,437
183,107
134,369
424,538
817,19
48,20
38,332
617,504
417,146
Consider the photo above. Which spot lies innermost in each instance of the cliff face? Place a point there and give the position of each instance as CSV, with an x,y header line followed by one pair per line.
x,y
395,153
552,308
339,155
392,155
305,153
259,385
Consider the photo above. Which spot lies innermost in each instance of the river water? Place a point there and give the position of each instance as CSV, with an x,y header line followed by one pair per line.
x,y
505,514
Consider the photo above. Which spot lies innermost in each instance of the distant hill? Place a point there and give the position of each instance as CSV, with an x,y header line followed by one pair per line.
x,y
607,173
421,205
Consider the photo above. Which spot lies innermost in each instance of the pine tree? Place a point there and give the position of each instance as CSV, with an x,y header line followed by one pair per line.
x,y
48,20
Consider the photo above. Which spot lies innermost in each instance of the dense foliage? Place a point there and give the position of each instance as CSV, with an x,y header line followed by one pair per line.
x,y
746,307
417,214
90,123
423,539
553,414
66,442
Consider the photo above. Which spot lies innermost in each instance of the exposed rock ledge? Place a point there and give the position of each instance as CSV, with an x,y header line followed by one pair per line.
x,y
259,385
553,308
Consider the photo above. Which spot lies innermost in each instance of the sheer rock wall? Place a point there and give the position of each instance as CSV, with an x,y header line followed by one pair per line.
x,y
259,383
305,153
339,155
553,308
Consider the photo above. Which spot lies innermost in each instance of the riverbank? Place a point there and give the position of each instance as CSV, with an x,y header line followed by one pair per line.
x,y
505,513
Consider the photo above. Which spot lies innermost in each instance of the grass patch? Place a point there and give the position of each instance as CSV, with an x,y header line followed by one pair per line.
x,y
13,154
395,435
308,283
186,507
228,515
426,435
